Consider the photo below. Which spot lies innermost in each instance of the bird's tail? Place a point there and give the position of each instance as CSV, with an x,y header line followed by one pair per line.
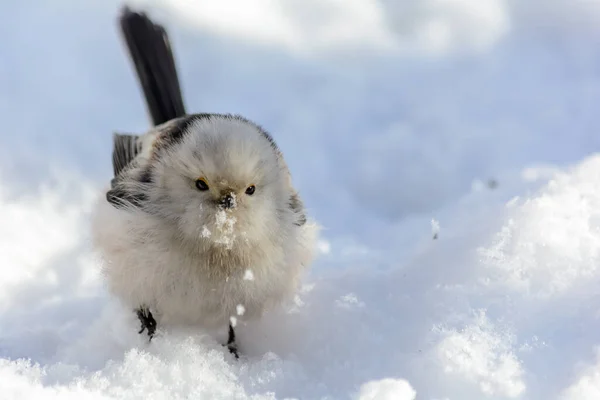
x,y
150,51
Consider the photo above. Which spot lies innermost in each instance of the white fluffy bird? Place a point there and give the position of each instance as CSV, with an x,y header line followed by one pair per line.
x,y
201,219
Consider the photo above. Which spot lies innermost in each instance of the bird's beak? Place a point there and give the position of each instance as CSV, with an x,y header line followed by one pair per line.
x,y
227,201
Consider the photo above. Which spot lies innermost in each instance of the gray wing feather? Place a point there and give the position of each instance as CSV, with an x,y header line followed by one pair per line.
x,y
125,149
297,207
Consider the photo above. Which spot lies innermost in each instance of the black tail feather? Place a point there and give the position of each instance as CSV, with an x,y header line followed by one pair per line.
x,y
150,51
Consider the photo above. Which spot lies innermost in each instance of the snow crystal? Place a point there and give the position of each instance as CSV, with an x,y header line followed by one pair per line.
x,y
560,229
481,355
225,224
240,309
248,275
233,321
205,232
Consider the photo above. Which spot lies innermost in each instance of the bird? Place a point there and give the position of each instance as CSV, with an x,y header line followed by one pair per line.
x,y
201,224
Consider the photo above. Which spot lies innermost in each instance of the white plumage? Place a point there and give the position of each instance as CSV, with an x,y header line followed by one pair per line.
x,y
178,251
201,219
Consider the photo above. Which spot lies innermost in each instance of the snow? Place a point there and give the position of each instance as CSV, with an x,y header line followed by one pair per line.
x,y
428,26
240,309
224,224
387,389
587,386
396,119
248,275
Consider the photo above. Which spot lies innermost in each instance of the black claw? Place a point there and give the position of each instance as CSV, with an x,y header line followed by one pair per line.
x,y
231,345
233,350
147,320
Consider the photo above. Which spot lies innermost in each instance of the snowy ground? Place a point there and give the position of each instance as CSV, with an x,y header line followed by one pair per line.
x,y
394,117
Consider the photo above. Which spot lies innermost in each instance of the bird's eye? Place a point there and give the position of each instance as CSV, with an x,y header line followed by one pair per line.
x,y
201,184
250,190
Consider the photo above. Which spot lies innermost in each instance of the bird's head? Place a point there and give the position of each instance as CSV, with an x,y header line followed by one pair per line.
x,y
220,179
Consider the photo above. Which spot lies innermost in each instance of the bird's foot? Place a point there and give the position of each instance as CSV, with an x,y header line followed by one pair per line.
x,y
231,345
233,350
147,320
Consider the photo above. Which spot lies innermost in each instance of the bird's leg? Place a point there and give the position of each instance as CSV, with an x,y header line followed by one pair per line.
x,y
231,345
147,320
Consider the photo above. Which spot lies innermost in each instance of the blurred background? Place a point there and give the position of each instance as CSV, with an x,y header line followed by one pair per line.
x,y
385,109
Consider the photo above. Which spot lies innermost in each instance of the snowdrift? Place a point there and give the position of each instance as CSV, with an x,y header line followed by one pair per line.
x,y
501,305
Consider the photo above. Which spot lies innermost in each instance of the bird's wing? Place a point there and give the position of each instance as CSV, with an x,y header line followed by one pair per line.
x,y
125,148
297,206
